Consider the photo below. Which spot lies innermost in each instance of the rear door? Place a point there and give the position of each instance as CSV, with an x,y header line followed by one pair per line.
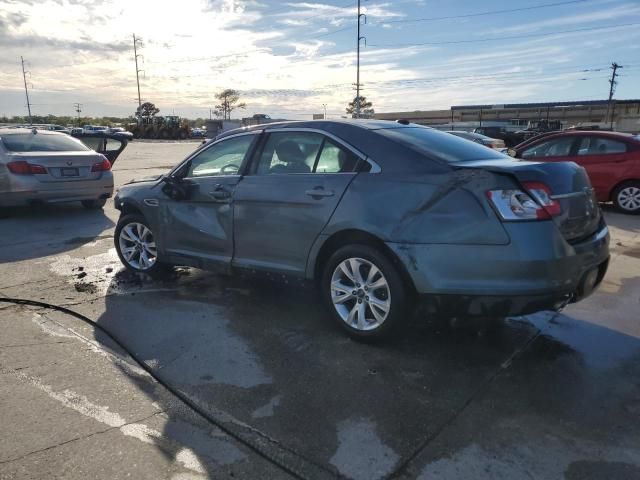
x,y
605,161
289,195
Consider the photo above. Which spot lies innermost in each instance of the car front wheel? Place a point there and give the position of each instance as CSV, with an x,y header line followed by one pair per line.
x,y
136,245
626,198
364,292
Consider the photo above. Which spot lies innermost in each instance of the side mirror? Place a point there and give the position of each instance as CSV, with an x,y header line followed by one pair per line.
x,y
176,188
512,153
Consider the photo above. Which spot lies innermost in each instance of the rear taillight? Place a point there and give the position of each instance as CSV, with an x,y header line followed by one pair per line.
x,y
25,168
542,194
534,204
103,166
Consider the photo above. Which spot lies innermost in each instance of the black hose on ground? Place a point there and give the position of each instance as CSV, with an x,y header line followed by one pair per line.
x,y
269,449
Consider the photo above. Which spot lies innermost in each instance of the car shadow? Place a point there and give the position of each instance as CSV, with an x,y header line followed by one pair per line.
x,y
263,353
51,229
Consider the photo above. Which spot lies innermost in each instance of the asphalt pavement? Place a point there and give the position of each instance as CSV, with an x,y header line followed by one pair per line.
x,y
271,388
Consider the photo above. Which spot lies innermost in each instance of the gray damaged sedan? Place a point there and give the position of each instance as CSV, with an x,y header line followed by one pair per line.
x,y
380,214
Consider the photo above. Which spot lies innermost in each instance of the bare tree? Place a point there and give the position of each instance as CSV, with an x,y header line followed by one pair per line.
x,y
228,99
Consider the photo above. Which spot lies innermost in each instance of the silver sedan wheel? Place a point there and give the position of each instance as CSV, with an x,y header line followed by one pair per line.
x,y
137,246
360,294
629,198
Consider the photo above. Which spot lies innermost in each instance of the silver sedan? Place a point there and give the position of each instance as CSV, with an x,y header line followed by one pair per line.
x,y
39,167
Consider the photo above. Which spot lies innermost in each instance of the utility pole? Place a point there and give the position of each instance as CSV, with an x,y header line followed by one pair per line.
x,y
360,38
612,88
324,105
78,107
26,90
135,56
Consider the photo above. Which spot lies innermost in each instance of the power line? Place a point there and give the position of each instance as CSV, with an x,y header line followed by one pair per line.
x,y
480,14
511,37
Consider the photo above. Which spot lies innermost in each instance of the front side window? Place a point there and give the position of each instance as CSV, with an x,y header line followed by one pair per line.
x,y
557,147
600,146
223,158
39,142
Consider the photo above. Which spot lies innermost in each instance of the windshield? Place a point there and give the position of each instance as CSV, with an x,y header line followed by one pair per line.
x,y
439,145
30,142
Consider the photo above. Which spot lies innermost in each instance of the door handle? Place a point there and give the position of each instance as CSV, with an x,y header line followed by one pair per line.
x,y
220,193
320,192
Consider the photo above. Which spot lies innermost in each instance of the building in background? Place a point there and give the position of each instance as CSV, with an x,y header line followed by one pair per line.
x,y
626,115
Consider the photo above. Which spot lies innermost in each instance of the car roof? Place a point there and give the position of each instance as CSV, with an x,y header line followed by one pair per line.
x,y
365,124
577,133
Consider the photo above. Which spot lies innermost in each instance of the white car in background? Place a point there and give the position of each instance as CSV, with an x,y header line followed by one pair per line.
x,y
494,143
39,166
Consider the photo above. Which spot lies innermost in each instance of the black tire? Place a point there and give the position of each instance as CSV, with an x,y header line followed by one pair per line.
x,y
398,295
618,200
94,204
158,269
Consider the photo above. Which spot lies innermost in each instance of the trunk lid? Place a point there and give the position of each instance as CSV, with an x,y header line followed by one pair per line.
x,y
570,187
62,166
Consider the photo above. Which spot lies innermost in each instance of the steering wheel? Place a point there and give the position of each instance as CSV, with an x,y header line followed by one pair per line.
x,y
227,168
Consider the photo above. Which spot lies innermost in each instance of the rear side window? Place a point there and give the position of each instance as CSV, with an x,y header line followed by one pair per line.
x,y
304,152
439,145
30,142
600,146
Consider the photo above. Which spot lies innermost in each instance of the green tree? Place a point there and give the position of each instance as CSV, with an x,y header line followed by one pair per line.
x,y
228,99
147,109
366,108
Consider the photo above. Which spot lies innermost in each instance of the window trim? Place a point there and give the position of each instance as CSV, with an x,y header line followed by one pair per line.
x,y
375,168
204,148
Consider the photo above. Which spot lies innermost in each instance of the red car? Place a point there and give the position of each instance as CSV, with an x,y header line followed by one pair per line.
x,y
611,159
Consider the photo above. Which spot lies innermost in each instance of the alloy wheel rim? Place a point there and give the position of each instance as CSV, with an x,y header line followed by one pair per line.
x,y
137,246
360,294
629,198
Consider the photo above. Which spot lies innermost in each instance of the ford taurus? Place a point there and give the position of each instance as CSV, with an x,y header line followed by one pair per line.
x,y
380,214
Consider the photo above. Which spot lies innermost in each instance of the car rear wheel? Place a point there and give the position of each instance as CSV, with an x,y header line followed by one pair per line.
x,y
136,245
364,292
94,204
626,197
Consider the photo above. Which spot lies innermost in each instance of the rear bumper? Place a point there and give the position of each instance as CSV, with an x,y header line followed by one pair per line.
x,y
538,270
57,192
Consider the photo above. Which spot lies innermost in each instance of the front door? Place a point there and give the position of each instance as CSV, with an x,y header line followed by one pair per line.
x,y
199,228
287,197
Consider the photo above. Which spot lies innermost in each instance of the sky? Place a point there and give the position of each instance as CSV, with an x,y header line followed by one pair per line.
x,y
289,59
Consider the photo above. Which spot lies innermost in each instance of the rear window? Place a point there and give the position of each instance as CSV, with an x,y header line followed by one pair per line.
x,y
30,142
439,145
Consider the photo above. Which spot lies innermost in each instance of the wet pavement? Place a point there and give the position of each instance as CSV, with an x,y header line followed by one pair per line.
x,y
543,396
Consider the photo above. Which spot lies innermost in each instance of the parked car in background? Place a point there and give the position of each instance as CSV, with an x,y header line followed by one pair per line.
x,y
509,137
38,166
494,143
377,212
119,131
611,159
198,133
